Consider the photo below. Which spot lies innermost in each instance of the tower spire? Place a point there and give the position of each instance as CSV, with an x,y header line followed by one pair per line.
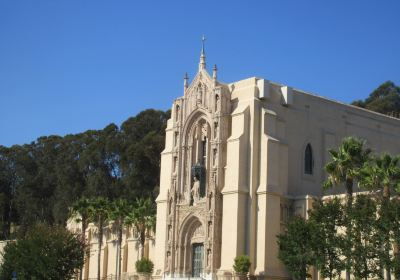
x,y
202,64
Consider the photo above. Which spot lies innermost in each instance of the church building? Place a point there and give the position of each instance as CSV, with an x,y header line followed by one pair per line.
x,y
239,159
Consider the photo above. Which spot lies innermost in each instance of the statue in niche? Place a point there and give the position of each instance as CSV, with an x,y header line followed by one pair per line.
x,y
177,112
215,155
209,228
216,102
169,232
195,192
199,94
214,179
215,129
175,164
204,130
209,257
169,261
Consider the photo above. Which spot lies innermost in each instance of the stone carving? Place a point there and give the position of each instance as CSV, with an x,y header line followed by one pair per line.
x,y
177,112
198,232
195,191
215,155
215,130
169,232
199,95
209,229
169,262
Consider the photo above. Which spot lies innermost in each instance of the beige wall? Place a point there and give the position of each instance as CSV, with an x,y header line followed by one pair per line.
x,y
289,119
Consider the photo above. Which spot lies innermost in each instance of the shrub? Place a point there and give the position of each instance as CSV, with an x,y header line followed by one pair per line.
x,y
44,252
144,266
242,264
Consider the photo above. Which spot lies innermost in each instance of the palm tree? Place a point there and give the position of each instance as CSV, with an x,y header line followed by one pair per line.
x,y
344,168
383,174
81,211
99,213
346,164
119,209
143,218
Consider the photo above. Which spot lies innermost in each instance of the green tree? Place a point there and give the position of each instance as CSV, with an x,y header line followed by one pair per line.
x,y
344,168
44,253
385,99
383,174
119,210
394,210
7,191
328,243
296,247
143,138
99,213
40,181
242,264
365,243
81,211
143,218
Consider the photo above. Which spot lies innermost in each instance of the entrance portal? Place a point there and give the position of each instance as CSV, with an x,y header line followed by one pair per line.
x,y
197,259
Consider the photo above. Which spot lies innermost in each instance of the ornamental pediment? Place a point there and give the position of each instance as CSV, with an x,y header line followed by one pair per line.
x,y
200,91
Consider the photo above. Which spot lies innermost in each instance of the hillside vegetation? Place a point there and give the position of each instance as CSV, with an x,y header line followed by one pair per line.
x,y
41,180
385,99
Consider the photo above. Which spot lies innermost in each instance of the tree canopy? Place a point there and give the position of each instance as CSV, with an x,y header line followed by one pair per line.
x,y
43,253
385,99
41,180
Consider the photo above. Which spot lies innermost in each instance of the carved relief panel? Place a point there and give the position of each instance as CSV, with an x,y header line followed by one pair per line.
x,y
201,121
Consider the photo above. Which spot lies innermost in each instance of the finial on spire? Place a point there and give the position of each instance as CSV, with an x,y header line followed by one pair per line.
x,y
203,39
185,81
202,64
215,72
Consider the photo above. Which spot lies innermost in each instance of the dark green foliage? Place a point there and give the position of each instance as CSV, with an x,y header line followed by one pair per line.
x,y
329,242
296,247
144,266
385,99
364,240
41,180
394,225
44,253
343,169
242,264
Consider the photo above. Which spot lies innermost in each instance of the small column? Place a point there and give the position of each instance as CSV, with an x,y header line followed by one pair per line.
x,y
185,82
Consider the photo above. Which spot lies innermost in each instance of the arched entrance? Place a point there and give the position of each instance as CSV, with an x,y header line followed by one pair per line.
x,y
191,257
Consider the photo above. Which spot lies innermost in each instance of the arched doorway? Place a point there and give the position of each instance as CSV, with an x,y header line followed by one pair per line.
x,y
191,257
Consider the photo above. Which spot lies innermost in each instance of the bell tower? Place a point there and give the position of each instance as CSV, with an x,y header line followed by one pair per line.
x,y
192,177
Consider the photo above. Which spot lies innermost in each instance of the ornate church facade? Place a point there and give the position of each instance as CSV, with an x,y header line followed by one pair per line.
x,y
238,159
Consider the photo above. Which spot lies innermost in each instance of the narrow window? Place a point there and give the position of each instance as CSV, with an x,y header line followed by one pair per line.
x,y
308,160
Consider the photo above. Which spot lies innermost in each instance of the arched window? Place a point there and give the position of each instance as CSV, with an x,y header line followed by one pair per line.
x,y
308,160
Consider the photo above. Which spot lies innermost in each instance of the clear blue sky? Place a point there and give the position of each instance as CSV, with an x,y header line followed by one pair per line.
x,y
68,66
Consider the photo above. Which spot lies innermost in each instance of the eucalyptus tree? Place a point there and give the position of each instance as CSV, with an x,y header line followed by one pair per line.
x,y
119,209
383,174
143,218
344,168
